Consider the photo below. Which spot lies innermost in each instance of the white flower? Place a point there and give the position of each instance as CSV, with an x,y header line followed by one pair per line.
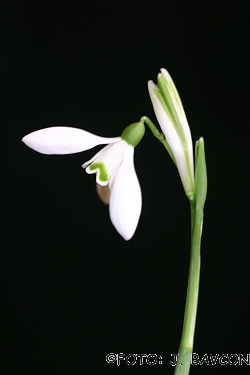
x,y
113,165
172,119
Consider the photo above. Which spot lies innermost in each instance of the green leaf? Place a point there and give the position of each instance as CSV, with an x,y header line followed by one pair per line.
x,y
200,174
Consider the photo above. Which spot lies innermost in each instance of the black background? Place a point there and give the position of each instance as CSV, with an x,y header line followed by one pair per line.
x,y
73,289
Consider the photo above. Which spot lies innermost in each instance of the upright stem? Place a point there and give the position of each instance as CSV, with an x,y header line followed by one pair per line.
x,y
197,201
187,339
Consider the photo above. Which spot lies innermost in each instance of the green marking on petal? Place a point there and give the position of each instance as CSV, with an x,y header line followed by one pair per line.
x,y
103,174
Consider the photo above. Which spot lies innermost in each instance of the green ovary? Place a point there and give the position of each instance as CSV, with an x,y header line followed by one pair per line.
x,y
103,174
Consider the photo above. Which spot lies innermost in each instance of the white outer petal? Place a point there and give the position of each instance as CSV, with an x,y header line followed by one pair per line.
x,y
125,198
64,140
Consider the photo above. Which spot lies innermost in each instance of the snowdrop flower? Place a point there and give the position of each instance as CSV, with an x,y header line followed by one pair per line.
x,y
113,165
172,119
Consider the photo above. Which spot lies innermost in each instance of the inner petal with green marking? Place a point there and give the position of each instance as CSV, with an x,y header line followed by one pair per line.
x,y
101,171
106,162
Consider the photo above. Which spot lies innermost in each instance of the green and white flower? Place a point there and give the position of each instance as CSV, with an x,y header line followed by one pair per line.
x,y
113,165
172,119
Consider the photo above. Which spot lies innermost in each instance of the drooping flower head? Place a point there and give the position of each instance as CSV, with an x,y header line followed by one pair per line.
x,y
113,165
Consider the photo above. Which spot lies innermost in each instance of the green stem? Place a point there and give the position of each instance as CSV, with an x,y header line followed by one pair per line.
x,y
187,339
158,135
192,210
